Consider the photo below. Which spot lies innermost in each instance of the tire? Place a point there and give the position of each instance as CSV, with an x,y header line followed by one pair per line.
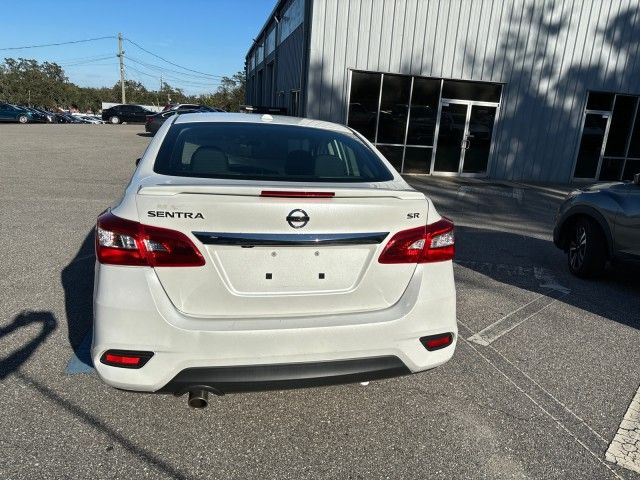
x,y
115,120
587,253
23,119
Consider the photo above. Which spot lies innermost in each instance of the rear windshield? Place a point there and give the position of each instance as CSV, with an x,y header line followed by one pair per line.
x,y
250,151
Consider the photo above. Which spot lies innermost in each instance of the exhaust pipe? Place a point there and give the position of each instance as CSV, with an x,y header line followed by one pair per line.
x,y
198,399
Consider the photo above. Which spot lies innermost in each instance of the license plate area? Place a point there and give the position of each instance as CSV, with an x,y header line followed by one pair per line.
x,y
292,270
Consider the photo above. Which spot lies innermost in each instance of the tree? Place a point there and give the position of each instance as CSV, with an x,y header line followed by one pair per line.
x,y
25,81
230,93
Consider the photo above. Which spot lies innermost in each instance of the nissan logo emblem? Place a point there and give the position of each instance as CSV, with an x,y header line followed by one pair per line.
x,y
297,218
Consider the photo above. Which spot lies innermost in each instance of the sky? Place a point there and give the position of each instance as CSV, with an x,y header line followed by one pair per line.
x,y
211,36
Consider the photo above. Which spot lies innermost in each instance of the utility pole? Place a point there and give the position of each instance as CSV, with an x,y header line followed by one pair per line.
x,y
121,57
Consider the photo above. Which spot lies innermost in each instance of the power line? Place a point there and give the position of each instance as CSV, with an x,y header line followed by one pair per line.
x,y
58,44
82,62
164,69
170,62
181,81
184,78
113,64
89,57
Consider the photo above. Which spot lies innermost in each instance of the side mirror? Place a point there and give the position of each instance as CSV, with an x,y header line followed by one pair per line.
x,y
636,179
138,161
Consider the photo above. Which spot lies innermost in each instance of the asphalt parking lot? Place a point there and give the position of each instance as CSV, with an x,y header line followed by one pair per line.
x,y
546,366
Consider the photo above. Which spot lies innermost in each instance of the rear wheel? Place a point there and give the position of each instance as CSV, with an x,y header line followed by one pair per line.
x,y
115,120
587,253
23,119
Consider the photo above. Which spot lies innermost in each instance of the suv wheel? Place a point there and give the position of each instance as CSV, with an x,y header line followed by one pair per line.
x,y
115,120
23,119
587,254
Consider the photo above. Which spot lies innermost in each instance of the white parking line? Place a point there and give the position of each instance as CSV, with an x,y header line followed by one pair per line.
x,y
510,321
546,280
625,447
590,445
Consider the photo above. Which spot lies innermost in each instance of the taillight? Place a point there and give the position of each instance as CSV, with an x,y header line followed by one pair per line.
x,y
124,242
296,194
125,358
436,342
431,243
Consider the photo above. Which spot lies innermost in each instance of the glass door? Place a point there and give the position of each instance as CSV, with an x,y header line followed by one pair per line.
x,y
464,137
451,135
478,139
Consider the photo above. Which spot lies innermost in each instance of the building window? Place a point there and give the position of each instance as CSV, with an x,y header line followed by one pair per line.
x,y
394,102
291,19
424,111
483,92
426,125
270,43
609,146
295,103
259,54
363,103
260,88
250,62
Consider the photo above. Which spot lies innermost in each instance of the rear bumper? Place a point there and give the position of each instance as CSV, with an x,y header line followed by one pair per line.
x,y
281,376
132,312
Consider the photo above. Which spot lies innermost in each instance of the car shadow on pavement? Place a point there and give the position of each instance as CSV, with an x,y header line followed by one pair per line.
x,y
101,426
77,282
25,319
536,264
145,134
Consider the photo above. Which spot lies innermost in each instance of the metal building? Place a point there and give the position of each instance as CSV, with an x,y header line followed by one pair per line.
x,y
536,90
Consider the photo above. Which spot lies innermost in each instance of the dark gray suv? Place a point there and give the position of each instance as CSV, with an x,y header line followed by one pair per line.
x,y
598,224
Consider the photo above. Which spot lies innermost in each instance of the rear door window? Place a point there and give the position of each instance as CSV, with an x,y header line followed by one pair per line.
x,y
251,151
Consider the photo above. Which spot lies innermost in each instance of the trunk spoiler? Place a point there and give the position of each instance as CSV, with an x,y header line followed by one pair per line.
x,y
251,191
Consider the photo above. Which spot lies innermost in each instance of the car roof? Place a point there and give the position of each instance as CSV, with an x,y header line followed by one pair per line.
x,y
224,117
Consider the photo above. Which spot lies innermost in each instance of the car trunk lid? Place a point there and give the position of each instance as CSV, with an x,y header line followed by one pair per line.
x,y
283,250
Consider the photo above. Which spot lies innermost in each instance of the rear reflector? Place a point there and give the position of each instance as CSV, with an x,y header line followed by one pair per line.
x,y
125,358
124,242
294,194
436,342
431,243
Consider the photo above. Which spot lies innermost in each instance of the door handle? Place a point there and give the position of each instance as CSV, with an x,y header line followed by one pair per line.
x,y
465,144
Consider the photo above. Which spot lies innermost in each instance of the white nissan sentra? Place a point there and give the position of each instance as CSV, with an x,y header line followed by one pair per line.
x,y
255,252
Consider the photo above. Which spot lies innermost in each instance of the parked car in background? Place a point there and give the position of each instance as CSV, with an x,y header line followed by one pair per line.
x,y
189,106
126,113
154,122
50,116
95,119
598,224
63,117
176,106
13,113
36,115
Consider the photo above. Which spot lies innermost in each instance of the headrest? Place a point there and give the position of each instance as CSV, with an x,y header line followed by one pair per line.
x,y
209,160
299,162
330,166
